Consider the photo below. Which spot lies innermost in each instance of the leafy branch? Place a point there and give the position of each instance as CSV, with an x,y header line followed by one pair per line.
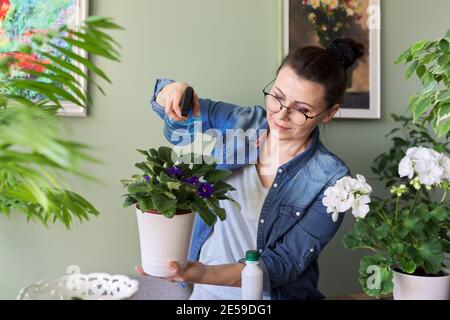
x,y
33,155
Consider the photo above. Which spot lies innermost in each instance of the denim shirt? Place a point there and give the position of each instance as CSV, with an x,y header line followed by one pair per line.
x,y
294,226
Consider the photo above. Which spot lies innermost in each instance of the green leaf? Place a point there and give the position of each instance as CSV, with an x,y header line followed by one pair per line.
x,y
222,187
439,213
418,46
154,153
420,71
165,154
145,153
83,61
422,105
173,185
145,203
444,60
169,212
92,48
129,201
447,35
218,175
144,167
403,57
353,241
443,96
218,211
205,213
375,276
139,187
102,22
407,266
446,245
413,224
443,45
432,254
397,248
443,126
410,70
163,203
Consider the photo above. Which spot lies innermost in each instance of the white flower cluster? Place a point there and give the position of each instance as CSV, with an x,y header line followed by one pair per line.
x,y
348,193
423,166
427,166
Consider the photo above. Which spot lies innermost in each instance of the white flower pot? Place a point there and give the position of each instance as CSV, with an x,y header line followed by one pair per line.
x,y
163,240
410,287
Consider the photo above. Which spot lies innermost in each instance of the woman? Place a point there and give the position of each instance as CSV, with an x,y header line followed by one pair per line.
x,y
281,212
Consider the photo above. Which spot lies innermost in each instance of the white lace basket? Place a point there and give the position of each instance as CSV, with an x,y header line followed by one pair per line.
x,y
94,286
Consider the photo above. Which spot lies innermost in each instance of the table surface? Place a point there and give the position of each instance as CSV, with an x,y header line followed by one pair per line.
x,y
151,288
358,296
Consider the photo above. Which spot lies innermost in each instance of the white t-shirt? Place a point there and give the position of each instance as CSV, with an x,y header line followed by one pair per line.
x,y
232,238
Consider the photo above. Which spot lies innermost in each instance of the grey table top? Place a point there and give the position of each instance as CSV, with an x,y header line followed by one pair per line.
x,y
151,288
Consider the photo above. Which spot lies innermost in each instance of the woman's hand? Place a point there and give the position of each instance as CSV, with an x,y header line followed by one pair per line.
x,y
171,96
193,272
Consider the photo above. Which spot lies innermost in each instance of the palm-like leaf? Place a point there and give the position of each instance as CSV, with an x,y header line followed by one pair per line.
x,y
32,153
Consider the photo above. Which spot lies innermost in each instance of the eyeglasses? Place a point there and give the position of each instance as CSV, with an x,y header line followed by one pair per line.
x,y
296,115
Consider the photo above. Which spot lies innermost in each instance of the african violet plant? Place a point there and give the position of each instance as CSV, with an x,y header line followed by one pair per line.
x,y
172,183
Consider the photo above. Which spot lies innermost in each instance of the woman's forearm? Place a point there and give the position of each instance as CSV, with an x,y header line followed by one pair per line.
x,y
223,274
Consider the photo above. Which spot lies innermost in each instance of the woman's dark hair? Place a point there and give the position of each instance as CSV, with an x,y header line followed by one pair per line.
x,y
327,67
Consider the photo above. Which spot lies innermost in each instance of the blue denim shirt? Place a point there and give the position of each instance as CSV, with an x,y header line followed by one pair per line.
x,y
294,226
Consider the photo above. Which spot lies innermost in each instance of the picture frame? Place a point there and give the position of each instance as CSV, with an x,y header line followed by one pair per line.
x,y
31,16
300,28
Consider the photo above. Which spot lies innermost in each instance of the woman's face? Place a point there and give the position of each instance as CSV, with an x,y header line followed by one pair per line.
x,y
304,95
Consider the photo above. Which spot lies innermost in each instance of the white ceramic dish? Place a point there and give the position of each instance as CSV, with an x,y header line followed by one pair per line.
x,y
94,286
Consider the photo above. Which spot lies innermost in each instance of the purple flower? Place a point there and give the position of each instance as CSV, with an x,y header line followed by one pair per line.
x,y
192,180
175,171
205,190
147,178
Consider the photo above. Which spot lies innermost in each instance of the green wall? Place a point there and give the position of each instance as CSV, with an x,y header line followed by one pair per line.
x,y
228,50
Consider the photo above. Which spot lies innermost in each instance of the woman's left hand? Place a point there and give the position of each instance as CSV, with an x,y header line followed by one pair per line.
x,y
193,272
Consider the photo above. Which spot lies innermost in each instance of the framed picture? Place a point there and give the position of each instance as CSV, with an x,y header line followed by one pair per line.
x,y
21,19
317,22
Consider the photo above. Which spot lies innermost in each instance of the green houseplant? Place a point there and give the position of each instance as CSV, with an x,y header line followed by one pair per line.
x,y
430,61
406,237
169,191
32,153
409,231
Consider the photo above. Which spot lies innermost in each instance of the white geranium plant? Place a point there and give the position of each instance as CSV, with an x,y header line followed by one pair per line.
x,y
410,236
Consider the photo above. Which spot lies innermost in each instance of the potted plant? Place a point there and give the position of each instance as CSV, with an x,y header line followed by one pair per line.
x,y
167,194
409,231
430,61
33,82
409,239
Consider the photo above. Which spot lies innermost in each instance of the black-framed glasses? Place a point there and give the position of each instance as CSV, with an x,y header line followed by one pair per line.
x,y
296,115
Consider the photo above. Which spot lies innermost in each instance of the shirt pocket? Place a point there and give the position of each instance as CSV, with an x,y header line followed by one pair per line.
x,y
291,210
289,215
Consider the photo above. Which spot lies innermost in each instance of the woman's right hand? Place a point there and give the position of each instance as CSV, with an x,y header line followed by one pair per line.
x,y
171,96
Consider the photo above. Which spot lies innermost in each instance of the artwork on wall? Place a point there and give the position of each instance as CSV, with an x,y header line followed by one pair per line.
x,y
21,19
317,22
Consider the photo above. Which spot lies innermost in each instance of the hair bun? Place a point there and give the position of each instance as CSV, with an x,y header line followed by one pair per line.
x,y
347,50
